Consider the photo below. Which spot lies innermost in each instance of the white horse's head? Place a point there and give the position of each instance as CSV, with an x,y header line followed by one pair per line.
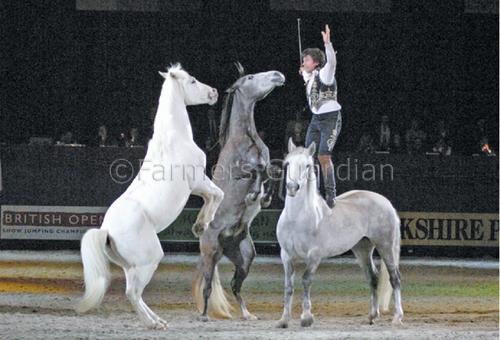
x,y
300,167
193,91
255,87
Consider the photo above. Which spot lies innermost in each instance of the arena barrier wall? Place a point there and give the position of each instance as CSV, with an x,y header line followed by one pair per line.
x,y
448,206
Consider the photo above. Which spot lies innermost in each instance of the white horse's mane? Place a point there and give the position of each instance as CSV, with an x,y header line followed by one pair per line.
x,y
312,189
177,70
174,72
299,150
175,66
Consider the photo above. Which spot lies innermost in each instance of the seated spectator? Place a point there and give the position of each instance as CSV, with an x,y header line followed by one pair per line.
x,y
298,133
442,145
296,129
384,134
122,139
134,138
148,126
366,144
415,138
40,141
442,148
212,153
209,144
484,147
212,122
103,139
396,144
263,135
66,139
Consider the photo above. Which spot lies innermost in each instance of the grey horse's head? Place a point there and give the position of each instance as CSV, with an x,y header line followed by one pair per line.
x,y
300,167
255,87
250,88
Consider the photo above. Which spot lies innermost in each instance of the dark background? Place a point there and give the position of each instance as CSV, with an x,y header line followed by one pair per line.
x,y
64,69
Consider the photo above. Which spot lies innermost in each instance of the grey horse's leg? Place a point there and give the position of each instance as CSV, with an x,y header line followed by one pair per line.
x,y
306,319
242,257
363,251
390,255
255,188
273,173
288,293
209,260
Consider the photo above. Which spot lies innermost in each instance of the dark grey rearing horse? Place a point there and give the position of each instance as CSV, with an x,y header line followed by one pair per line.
x,y
243,171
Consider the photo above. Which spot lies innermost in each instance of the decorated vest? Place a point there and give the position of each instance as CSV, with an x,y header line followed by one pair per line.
x,y
321,93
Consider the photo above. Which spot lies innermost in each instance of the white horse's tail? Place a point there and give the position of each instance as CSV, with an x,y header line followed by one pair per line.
x,y
95,269
384,288
218,305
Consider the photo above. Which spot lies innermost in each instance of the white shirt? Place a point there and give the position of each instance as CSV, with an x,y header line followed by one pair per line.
x,y
327,76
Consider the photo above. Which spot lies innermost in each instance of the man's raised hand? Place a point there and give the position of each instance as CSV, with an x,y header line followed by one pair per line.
x,y
326,35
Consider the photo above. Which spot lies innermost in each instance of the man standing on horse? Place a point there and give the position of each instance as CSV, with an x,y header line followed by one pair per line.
x,y
326,121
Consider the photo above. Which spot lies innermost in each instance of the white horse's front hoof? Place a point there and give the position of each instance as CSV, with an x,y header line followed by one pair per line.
x,y
163,323
159,325
397,320
282,324
203,318
307,320
250,317
372,317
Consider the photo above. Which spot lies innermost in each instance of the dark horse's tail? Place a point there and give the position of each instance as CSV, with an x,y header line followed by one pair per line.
x,y
218,305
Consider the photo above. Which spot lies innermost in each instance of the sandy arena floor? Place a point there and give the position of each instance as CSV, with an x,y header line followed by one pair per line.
x,y
442,300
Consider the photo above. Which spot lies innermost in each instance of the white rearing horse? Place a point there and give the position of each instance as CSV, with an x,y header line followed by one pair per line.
x,y
308,230
174,168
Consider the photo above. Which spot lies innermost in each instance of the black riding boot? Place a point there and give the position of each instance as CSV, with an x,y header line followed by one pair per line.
x,y
317,173
330,186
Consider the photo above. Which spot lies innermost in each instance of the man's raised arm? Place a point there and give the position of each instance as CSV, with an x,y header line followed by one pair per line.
x,y
327,72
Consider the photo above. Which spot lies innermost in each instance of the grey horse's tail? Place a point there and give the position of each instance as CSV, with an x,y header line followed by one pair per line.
x,y
384,288
218,305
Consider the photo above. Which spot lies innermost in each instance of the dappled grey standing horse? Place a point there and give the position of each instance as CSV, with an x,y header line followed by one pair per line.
x,y
243,171
309,231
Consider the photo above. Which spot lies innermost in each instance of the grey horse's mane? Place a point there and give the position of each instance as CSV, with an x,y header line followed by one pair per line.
x,y
224,118
226,108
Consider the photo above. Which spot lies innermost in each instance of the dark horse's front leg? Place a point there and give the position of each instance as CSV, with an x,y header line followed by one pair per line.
x,y
273,173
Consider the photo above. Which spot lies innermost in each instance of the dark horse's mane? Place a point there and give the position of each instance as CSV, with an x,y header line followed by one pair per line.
x,y
224,118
